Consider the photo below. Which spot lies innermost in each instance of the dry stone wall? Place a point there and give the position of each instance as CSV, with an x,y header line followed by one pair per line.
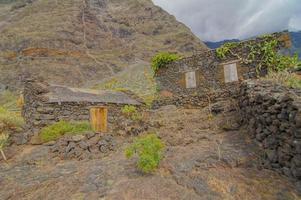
x,y
208,73
272,114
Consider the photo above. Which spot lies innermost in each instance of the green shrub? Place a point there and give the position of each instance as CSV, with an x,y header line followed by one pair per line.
x,y
264,54
149,151
162,59
55,131
131,112
10,121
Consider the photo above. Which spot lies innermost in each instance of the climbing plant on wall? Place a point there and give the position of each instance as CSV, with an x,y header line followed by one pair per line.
x,y
162,59
263,53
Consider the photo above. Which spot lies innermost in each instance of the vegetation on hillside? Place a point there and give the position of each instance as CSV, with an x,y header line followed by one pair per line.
x,y
55,131
9,100
90,41
10,121
149,150
162,59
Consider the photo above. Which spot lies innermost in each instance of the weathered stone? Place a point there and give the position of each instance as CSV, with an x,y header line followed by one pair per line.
x,y
77,138
271,155
20,138
297,160
83,145
296,172
51,143
297,133
90,135
297,145
70,147
36,140
298,120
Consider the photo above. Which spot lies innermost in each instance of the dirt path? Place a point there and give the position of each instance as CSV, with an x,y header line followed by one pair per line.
x,y
201,162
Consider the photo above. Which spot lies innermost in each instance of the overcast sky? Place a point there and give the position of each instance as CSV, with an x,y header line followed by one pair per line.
x,y
214,20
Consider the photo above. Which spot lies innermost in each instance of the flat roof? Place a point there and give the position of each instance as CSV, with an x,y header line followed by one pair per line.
x,y
58,93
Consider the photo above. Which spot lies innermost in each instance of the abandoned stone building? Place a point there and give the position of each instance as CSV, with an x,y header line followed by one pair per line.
x,y
190,80
46,104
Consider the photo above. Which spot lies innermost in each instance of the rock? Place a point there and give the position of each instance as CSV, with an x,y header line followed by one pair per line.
x,y
90,135
83,145
297,145
20,138
296,172
298,186
70,147
103,149
94,140
286,171
297,133
271,155
77,138
51,143
298,120
297,160
36,140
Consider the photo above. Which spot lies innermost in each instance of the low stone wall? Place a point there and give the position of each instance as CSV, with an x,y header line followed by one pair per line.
x,y
86,146
197,100
272,114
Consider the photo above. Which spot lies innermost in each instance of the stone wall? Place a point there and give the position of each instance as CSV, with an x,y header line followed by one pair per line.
x,y
272,114
209,70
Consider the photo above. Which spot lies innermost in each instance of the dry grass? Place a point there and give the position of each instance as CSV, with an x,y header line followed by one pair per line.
x,y
284,78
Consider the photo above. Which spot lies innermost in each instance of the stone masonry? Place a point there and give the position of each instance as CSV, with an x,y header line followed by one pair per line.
x,y
46,104
203,74
272,114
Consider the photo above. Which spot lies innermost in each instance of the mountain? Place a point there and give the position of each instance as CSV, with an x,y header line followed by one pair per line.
x,y
295,36
214,45
83,42
296,40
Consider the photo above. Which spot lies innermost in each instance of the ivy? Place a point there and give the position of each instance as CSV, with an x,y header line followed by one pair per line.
x,y
225,49
264,54
163,59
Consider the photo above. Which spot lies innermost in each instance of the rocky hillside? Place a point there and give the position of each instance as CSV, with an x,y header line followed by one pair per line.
x,y
82,42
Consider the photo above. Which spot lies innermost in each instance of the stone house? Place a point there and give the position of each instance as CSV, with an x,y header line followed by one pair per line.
x,y
45,104
205,74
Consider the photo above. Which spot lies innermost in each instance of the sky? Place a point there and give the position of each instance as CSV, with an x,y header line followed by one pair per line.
x,y
215,20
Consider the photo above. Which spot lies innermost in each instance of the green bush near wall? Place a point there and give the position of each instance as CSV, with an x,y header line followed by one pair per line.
x,y
55,131
162,59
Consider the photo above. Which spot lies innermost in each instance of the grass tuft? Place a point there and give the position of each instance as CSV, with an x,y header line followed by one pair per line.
x,y
55,131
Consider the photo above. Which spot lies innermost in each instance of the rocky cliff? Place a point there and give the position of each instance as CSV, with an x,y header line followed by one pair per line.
x,y
80,42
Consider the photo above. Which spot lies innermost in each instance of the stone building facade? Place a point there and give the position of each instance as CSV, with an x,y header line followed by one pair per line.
x,y
205,73
45,104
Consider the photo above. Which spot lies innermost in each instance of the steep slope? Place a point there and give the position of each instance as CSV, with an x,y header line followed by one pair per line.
x,y
81,42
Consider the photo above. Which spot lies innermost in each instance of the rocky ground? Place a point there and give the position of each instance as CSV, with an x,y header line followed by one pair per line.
x,y
207,157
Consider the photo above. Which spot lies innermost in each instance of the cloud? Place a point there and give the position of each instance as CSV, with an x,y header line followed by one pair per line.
x,y
214,20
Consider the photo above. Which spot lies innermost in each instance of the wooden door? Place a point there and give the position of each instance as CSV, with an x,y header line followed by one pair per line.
x,y
98,119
